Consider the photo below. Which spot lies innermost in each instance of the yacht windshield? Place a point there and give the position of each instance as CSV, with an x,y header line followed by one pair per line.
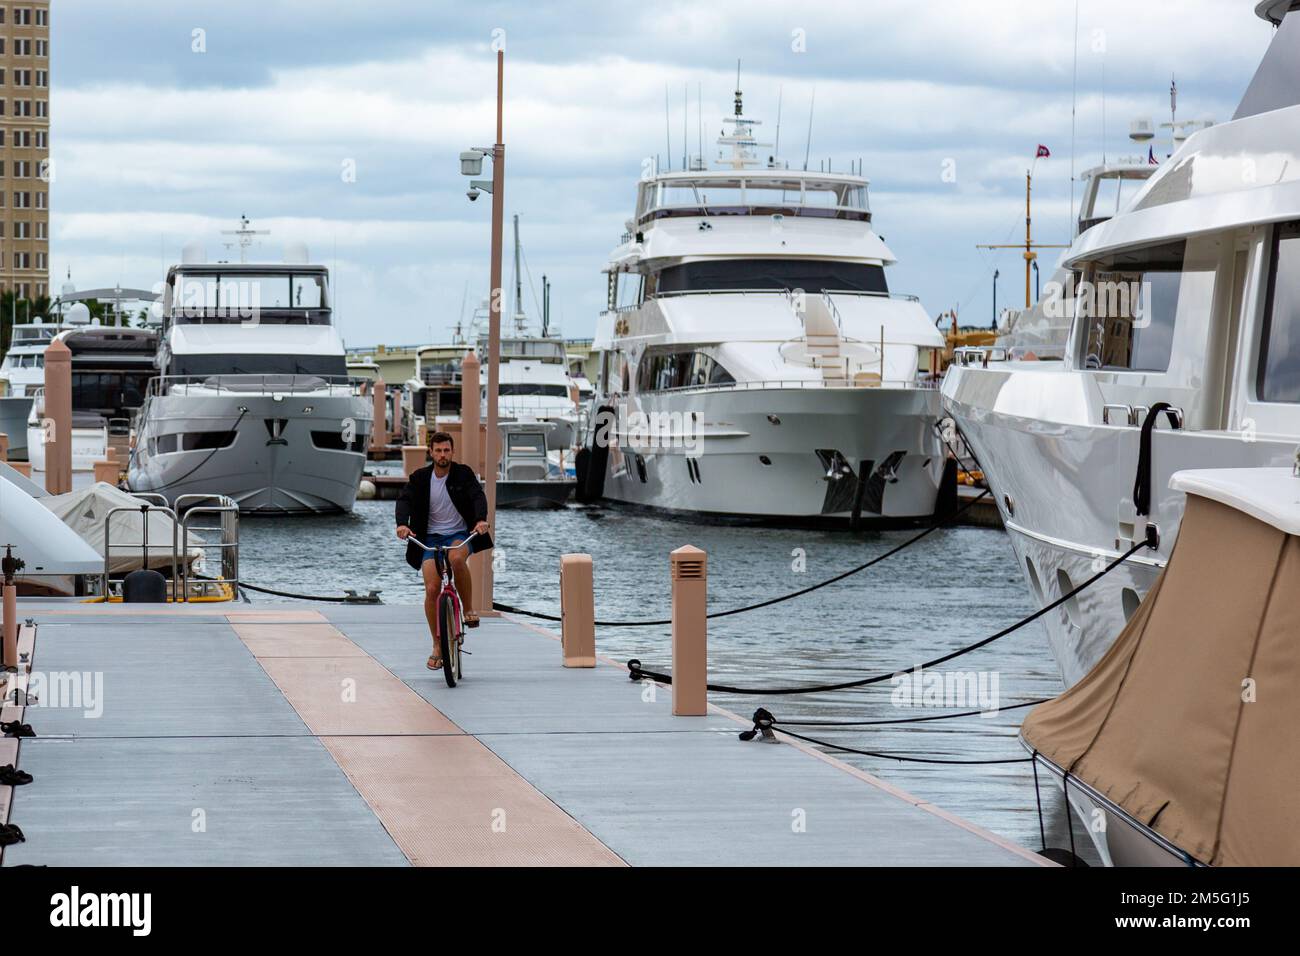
x,y
810,275
240,296
204,366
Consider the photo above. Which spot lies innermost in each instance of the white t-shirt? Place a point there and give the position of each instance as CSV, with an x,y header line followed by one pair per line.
x,y
443,516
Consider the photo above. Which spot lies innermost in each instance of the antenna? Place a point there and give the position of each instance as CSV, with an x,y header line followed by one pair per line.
x,y
812,103
686,142
699,119
1103,107
776,148
245,237
668,132
738,111
1074,107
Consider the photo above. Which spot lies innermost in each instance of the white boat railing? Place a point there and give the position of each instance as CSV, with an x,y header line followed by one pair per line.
x,y
254,384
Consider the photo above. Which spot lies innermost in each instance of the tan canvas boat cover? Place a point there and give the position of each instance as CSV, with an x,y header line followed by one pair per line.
x,y
1190,723
84,512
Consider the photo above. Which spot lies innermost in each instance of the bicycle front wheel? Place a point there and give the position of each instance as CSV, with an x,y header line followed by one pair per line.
x,y
448,645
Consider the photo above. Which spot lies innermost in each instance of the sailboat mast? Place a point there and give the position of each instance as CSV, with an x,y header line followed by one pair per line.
x,y
519,285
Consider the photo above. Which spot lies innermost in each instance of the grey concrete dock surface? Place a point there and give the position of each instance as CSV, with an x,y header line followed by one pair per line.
x,y
315,735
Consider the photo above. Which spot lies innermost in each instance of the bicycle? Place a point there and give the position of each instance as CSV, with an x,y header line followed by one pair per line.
x,y
448,615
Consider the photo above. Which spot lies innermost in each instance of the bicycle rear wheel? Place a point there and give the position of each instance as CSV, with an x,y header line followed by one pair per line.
x,y
448,646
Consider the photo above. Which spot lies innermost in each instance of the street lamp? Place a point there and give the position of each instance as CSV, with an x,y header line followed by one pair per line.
x,y
471,164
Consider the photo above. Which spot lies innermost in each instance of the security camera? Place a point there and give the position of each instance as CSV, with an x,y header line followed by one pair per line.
x,y
472,194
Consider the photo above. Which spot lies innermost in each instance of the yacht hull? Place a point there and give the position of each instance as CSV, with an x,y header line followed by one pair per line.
x,y
765,453
275,463
1064,488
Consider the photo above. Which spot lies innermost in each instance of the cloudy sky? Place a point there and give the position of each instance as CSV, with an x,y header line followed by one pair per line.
x,y
162,135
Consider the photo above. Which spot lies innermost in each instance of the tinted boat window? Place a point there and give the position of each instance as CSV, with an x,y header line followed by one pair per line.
x,y
720,275
1279,360
1130,307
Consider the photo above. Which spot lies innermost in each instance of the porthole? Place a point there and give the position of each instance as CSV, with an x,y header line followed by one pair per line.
x,y
765,460
1035,585
1130,600
1010,505
1072,611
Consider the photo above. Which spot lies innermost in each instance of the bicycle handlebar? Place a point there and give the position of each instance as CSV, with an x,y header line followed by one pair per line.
x,y
444,547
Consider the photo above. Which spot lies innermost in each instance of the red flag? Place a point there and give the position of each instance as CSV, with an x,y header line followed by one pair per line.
x,y
1043,152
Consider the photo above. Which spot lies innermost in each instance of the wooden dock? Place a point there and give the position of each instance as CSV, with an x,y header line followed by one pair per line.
x,y
237,734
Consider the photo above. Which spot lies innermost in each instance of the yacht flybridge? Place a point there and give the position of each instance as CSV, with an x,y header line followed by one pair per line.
x,y
752,360
252,398
1186,328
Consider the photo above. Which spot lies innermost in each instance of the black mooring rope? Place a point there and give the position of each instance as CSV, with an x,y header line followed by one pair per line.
x,y
899,720
637,672
899,757
345,599
497,605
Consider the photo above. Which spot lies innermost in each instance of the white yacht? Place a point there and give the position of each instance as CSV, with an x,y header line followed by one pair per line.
x,y
111,368
252,399
752,360
22,374
1188,300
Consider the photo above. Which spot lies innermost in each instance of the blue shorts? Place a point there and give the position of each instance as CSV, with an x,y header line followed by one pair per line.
x,y
442,541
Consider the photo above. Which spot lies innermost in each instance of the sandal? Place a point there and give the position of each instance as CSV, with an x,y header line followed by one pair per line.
x,y
471,619
434,663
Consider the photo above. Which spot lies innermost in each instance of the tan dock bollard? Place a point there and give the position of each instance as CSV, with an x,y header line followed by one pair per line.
x,y
57,432
23,468
690,632
379,402
9,604
4,447
470,452
413,457
577,611
107,471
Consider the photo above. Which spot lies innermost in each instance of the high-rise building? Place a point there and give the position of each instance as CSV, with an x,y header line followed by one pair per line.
x,y
25,172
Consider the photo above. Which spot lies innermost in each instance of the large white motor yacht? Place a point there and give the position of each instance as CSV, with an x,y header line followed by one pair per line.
x,y
752,360
1188,301
252,398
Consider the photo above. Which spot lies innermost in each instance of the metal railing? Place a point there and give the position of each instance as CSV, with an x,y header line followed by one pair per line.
x,y
143,511
254,384
901,296
227,546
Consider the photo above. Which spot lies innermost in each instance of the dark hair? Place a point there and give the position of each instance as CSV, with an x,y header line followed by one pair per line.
x,y
438,437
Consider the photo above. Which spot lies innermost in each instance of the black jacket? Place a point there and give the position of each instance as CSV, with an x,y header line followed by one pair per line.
x,y
463,489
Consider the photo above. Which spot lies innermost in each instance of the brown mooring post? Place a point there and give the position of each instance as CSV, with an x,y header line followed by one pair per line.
x,y
107,470
4,447
57,427
379,431
9,604
413,457
690,632
577,611
470,452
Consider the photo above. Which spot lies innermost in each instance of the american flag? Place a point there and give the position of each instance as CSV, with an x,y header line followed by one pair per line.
x,y
1151,157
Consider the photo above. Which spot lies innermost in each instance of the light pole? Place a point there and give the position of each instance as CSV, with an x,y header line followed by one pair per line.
x,y
471,164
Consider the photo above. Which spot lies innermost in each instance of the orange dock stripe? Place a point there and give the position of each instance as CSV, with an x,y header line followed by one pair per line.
x,y
443,796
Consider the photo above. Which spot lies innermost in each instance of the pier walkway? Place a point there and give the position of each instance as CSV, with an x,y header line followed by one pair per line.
x,y
270,734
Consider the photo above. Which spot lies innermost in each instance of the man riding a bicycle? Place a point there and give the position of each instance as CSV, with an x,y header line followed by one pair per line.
x,y
439,506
